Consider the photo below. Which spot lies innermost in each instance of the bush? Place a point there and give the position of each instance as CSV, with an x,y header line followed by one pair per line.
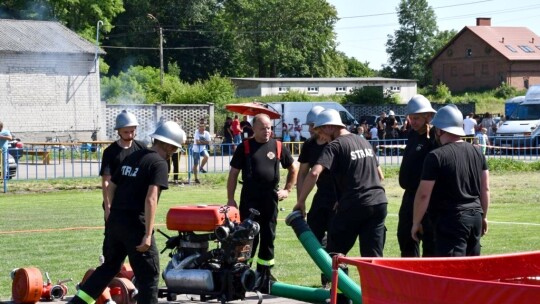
x,y
365,95
294,95
505,91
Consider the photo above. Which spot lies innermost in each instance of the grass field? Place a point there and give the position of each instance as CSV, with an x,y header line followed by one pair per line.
x,y
61,231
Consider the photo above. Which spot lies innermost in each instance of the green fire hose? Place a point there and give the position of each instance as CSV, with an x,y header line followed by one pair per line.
x,y
345,284
300,293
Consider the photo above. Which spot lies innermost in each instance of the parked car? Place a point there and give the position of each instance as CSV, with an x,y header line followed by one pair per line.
x,y
15,148
12,168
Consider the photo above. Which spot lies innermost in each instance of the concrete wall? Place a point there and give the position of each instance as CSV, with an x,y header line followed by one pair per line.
x,y
42,95
245,88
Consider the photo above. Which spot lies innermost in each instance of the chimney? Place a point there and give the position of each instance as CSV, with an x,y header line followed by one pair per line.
x,y
483,21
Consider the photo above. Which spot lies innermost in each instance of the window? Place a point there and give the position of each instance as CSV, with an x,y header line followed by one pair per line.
x,y
313,89
283,89
395,89
513,50
526,48
469,52
341,89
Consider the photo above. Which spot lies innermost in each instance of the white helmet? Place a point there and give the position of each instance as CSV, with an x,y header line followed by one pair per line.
x,y
312,114
171,133
328,117
419,104
450,119
125,119
391,113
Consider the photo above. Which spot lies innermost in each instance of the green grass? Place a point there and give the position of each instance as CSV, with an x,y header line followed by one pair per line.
x,y
61,231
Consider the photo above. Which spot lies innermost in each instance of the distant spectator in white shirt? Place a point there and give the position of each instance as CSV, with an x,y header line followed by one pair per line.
x,y
469,125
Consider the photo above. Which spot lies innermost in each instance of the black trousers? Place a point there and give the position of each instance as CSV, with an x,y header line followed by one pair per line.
x,y
458,233
408,246
265,201
364,222
174,163
320,215
124,233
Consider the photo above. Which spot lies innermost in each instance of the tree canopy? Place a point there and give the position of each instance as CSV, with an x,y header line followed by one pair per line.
x,y
411,45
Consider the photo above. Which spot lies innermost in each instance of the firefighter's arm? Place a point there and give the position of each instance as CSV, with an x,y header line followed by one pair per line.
x,y
150,206
307,186
302,173
484,199
421,202
291,181
231,186
105,182
111,188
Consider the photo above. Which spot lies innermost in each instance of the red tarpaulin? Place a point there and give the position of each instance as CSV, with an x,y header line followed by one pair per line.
x,y
508,278
252,109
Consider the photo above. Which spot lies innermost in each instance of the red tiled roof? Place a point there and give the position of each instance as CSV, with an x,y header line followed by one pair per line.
x,y
499,37
493,35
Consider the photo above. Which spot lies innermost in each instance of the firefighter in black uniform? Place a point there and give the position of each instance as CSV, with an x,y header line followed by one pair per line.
x,y
134,190
362,203
455,186
114,154
420,141
259,163
321,212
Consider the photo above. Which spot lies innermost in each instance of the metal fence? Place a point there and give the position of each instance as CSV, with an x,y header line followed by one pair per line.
x,y
40,161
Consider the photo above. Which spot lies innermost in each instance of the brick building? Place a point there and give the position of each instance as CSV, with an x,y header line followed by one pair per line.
x,y
49,81
484,56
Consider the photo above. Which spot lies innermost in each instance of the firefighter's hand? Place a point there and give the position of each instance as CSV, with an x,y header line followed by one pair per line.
x,y
232,203
282,194
417,231
145,244
300,206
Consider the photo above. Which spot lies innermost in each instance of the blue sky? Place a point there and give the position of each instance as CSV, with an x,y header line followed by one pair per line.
x,y
364,25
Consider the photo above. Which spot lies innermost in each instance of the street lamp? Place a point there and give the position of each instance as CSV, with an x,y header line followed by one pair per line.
x,y
160,47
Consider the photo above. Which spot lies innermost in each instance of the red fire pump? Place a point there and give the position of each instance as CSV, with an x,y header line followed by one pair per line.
x,y
222,273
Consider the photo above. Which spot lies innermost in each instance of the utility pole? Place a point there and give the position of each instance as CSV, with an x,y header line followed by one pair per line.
x,y
152,17
161,56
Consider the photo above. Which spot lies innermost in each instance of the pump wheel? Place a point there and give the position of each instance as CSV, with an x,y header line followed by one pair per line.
x,y
123,291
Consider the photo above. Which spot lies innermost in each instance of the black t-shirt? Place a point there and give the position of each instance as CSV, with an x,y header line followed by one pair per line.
x,y
311,151
246,128
353,166
264,163
456,169
227,130
137,172
418,146
113,156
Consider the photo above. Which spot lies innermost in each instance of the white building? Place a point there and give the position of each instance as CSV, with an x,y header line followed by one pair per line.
x,y
49,81
253,87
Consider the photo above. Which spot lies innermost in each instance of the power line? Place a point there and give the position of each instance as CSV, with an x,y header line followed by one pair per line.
x,y
156,48
393,13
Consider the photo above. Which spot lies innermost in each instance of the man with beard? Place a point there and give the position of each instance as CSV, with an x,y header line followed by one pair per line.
x,y
420,141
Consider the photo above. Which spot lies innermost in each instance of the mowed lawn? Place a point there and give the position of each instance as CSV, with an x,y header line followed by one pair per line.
x,y
61,231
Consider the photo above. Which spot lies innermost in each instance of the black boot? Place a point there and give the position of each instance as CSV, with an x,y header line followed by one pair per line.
x,y
264,278
325,282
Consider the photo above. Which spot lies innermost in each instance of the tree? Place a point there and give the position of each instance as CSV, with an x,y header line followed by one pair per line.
x,y
355,68
283,38
81,16
411,46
